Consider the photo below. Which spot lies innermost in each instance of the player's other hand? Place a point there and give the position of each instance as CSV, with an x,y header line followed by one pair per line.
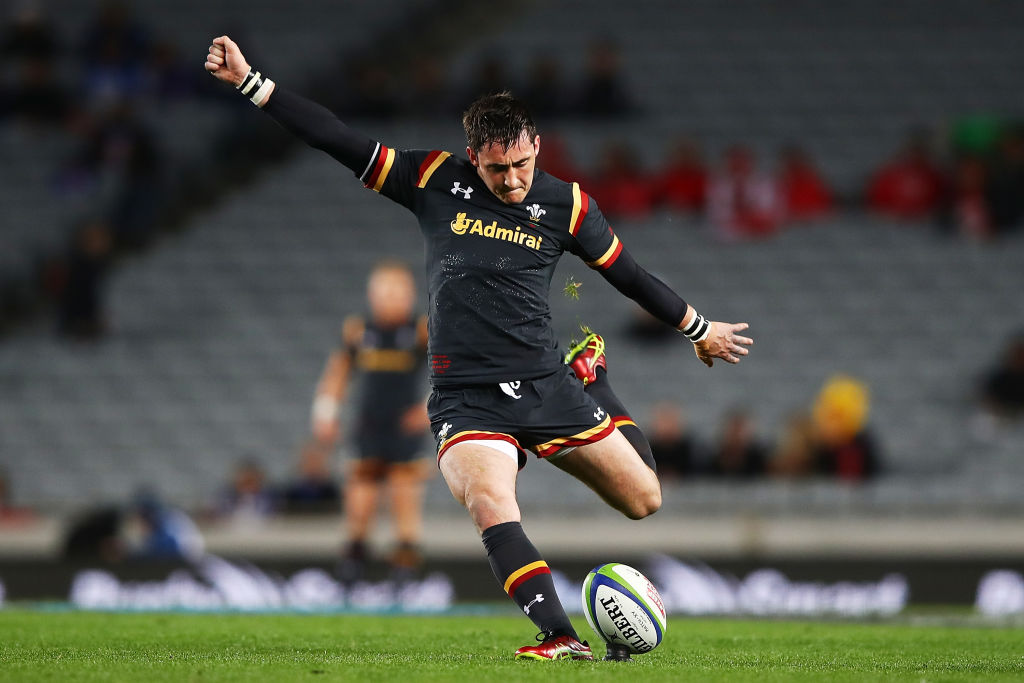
x,y
225,61
723,342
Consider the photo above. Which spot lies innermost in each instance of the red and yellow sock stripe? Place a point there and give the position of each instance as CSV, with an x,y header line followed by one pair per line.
x,y
524,574
592,435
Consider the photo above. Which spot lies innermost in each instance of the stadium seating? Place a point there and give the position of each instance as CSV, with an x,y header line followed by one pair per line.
x,y
220,335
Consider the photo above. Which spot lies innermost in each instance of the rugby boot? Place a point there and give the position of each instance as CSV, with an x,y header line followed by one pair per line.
x,y
586,357
556,647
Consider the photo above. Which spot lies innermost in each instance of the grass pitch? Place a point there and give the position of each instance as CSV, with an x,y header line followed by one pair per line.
x,y
76,646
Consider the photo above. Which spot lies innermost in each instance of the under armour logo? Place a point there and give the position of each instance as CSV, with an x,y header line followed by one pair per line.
x,y
510,389
444,429
466,191
599,414
539,598
535,212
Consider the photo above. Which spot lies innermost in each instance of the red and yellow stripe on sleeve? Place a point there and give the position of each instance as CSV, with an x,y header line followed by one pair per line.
x,y
580,206
429,165
609,256
381,168
524,574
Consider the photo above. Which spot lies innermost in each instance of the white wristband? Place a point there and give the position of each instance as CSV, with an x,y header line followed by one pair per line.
x,y
698,329
255,87
325,408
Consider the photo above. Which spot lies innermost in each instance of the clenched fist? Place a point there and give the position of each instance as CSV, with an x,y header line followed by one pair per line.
x,y
225,61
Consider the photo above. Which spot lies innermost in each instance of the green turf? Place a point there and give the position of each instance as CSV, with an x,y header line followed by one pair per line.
x,y
76,646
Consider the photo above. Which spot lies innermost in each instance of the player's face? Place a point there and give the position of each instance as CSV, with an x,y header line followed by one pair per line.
x,y
508,173
392,295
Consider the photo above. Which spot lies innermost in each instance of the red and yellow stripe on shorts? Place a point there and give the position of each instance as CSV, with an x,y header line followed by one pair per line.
x,y
524,574
474,435
592,435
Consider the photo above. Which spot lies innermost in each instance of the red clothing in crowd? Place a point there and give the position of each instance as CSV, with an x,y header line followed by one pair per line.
x,y
802,190
909,188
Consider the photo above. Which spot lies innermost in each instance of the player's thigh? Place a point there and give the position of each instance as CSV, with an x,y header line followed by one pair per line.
x,y
613,469
472,470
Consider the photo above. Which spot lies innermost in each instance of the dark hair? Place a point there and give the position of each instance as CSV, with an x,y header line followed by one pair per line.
x,y
497,119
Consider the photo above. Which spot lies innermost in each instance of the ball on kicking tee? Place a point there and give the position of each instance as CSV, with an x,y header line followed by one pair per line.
x,y
624,608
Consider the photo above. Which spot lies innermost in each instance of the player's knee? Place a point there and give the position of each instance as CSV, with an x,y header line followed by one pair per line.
x,y
644,504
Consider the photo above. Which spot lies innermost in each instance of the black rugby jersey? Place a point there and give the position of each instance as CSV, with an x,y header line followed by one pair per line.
x,y
390,360
490,264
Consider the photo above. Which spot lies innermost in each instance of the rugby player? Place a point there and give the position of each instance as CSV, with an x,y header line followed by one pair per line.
x,y
495,226
388,346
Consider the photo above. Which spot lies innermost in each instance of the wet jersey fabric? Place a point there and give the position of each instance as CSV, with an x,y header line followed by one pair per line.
x,y
490,264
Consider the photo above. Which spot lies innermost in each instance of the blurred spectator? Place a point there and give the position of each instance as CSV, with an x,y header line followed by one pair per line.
x,y
742,202
171,77
910,186
489,78
620,186
314,489
674,448
157,531
1003,388
795,452
544,92
373,92
554,158
114,54
81,309
248,499
844,449
738,454
683,184
30,36
428,97
38,98
804,194
95,535
11,514
1006,185
968,213
603,93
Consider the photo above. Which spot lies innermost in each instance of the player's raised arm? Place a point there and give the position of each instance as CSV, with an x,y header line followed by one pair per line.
x,y
597,244
312,123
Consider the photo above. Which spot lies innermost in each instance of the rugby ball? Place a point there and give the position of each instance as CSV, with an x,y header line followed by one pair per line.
x,y
624,608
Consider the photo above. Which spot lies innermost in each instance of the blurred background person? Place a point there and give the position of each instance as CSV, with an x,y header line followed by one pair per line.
x,y
743,202
620,185
155,530
313,489
674,447
81,306
804,194
604,92
1003,388
738,454
967,210
911,185
248,499
845,448
796,450
682,185
388,346
11,514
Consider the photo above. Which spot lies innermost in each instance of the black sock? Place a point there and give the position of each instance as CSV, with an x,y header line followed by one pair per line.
x,y
601,391
525,577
